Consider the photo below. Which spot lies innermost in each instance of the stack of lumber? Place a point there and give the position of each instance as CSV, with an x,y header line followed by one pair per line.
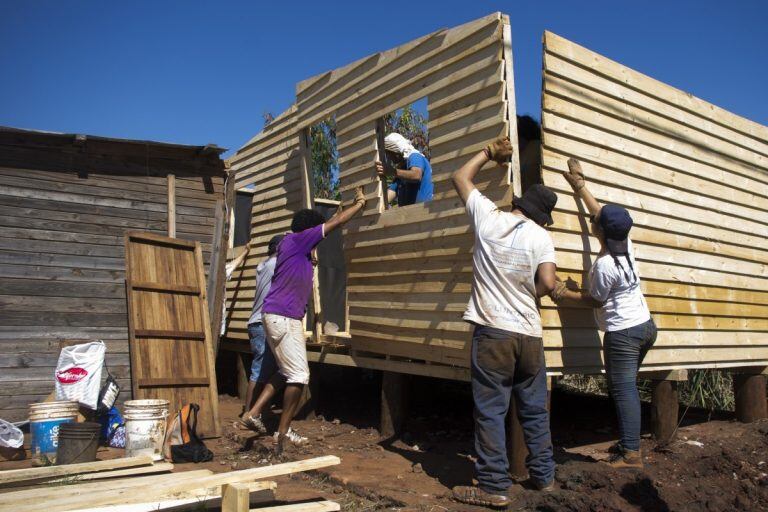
x,y
136,484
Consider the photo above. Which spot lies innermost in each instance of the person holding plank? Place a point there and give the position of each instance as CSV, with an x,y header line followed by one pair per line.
x,y
620,310
513,265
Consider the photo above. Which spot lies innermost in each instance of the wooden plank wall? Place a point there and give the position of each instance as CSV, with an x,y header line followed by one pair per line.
x,y
695,180
270,163
410,268
62,221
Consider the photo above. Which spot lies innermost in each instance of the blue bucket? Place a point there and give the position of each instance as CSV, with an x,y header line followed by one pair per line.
x,y
44,422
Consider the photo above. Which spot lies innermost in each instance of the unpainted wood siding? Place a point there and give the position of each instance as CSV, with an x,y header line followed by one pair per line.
x,y
693,176
409,268
270,164
63,215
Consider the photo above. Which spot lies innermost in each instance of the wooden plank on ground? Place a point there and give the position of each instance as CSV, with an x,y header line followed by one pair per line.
x,y
18,475
160,467
150,491
192,501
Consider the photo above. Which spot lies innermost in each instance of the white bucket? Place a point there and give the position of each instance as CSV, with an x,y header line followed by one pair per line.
x,y
145,423
45,418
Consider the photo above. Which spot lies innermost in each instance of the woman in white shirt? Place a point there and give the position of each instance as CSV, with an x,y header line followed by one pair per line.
x,y
621,312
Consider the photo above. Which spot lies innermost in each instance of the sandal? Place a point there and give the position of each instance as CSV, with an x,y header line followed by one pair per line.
x,y
476,496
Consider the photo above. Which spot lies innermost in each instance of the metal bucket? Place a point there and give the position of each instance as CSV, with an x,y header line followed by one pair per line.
x,y
145,424
78,442
45,419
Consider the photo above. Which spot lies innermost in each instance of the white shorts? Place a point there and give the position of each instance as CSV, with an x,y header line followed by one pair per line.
x,y
286,339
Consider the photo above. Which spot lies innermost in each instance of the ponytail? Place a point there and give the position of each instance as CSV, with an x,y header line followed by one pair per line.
x,y
629,261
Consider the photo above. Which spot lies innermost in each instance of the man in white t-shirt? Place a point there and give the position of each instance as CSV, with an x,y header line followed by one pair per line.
x,y
513,265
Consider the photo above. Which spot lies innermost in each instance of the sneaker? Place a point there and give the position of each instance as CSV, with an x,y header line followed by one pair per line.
x,y
252,423
291,436
625,459
477,496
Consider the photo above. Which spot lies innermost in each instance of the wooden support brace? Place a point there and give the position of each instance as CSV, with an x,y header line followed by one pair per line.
x,y
749,391
394,403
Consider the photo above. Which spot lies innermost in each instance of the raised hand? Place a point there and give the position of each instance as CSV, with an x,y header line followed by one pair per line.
x,y
360,197
500,150
574,175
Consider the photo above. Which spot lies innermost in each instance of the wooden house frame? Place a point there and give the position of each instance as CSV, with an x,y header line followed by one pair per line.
x,y
694,177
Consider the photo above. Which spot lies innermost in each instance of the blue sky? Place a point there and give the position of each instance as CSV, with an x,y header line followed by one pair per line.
x,y
199,72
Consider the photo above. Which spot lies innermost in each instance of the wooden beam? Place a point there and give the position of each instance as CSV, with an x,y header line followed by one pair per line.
x,y
511,114
174,381
208,499
235,498
18,475
80,490
217,275
165,287
161,333
159,467
150,491
381,189
394,403
172,206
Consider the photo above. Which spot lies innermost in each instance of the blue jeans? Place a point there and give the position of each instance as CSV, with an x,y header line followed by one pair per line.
x,y
502,363
624,350
263,365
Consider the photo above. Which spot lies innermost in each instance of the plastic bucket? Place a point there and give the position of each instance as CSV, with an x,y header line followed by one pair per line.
x,y
45,420
78,442
145,423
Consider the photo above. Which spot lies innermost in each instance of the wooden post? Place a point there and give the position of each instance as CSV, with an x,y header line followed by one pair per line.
x,y
172,205
665,405
749,392
511,114
235,498
517,451
394,403
243,371
664,410
381,190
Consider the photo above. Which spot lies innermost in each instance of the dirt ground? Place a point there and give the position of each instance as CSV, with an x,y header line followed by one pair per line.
x,y
714,465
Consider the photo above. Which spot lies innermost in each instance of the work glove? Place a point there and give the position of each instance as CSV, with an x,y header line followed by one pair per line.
x,y
574,175
500,150
560,288
360,197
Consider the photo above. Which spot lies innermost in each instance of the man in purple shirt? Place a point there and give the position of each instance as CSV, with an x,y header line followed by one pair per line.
x,y
283,311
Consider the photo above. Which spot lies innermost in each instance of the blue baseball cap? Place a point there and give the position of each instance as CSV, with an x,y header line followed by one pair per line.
x,y
616,223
